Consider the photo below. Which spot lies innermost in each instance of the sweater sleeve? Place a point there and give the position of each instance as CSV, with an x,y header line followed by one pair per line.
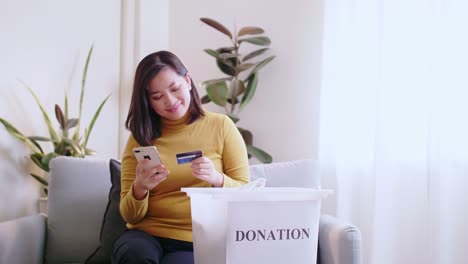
x,y
131,209
235,160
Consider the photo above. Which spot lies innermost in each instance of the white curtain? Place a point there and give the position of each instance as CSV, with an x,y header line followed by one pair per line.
x,y
394,126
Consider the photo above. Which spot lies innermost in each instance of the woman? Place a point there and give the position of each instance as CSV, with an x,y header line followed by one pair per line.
x,y
166,112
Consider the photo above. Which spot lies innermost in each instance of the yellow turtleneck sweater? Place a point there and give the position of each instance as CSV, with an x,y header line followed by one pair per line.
x,y
165,211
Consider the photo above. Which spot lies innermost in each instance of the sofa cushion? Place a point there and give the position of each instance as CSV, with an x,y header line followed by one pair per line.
x,y
21,240
113,224
297,173
78,190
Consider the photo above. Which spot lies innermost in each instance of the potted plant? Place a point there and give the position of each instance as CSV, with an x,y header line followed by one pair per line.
x,y
235,91
64,142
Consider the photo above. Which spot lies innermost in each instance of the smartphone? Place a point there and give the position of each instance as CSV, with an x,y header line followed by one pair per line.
x,y
149,153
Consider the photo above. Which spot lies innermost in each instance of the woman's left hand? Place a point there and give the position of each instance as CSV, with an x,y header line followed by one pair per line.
x,y
203,169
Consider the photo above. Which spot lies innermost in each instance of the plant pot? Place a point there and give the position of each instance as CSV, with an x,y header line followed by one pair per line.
x,y
42,205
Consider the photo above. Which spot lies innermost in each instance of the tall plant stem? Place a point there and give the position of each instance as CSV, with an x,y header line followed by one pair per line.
x,y
236,53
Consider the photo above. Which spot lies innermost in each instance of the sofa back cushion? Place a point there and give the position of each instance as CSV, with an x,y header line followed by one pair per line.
x,y
298,173
113,224
78,194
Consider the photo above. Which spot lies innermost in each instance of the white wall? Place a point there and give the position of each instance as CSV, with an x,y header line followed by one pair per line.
x,y
283,115
145,29
45,44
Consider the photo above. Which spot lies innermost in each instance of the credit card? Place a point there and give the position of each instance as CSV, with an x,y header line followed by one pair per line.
x,y
187,157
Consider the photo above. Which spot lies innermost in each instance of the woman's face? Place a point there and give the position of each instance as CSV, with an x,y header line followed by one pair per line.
x,y
170,94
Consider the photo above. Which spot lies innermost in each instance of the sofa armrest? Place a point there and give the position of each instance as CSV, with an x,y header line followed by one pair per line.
x,y
339,242
23,240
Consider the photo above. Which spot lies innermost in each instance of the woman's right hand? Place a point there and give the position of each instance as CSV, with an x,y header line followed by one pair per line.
x,y
147,177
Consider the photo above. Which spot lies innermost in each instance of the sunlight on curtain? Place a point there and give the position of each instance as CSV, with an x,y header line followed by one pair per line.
x,y
394,126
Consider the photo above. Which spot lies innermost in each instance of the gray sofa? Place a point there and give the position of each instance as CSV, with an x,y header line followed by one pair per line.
x,y
78,195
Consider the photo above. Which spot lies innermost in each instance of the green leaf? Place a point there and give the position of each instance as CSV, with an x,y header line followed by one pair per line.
x,y
37,159
18,135
261,155
230,101
60,117
40,179
36,144
36,138
71,123
60,147
217,93
91,125
261,65
47,158
212,53
90,152
250,31
216,25
260,41
227,49
52,132
75,146
222,58
12,130
243,67
69,151
225,56
83,83
225,65
249,91
66,107
65,130
254,54
236,88
9,127
205,83
233,118
226,68
246,135
228,56
205,99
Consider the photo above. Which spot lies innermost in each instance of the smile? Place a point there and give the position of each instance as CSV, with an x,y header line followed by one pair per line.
x,y
174,108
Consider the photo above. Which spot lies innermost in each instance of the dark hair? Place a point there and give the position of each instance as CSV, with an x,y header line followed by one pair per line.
x,y
142,120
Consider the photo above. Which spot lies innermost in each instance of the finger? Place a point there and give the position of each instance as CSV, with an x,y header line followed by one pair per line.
x,y
163,173
198,176
197,172
201,159
140,171
148,165
154,171
160,167
201,176
203,165
143,163
202,171
158,178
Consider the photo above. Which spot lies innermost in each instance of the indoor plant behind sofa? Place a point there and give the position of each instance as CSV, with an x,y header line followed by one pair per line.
x,y
63,142
76,211
237,88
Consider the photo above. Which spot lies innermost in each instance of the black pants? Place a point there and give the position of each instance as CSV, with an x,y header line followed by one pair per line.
x,y
135,246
